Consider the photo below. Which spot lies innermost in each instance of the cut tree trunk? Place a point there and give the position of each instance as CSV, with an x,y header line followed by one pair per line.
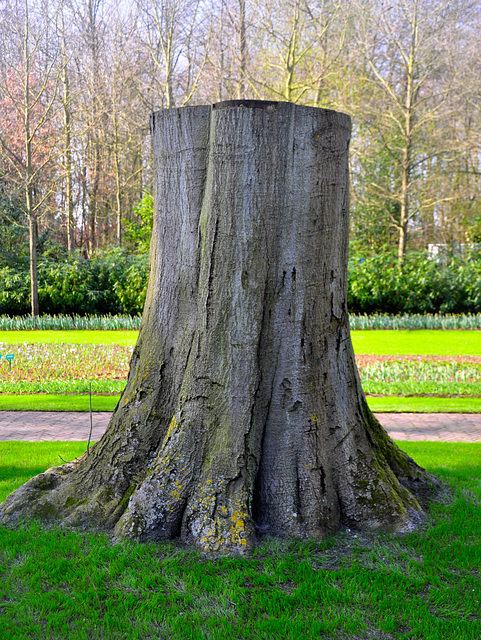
x,y
243,412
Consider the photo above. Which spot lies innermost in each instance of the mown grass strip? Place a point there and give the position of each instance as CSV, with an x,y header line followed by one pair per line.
x,y
440,343
393,404
459,460
51,402
20,461
388,404
69,337
365,342
425,585
55,387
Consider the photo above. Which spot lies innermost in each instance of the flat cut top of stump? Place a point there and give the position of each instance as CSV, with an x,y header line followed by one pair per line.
x,y
267,105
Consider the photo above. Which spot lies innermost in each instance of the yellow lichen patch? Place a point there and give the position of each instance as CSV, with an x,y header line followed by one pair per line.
x,y
237,520
314,418
237,534
173,426
220,522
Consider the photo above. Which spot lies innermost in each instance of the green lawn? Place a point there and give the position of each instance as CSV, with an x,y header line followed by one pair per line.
x,y
422,342
69,337
425,585
395,404
49,402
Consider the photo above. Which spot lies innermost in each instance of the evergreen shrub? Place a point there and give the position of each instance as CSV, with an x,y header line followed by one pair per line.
x,y
111,282
115,282
378,284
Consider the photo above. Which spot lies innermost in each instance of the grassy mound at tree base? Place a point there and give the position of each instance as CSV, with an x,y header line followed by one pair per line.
x,y
424,585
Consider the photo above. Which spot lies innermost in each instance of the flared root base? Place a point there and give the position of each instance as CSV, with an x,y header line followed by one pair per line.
x,y
218,513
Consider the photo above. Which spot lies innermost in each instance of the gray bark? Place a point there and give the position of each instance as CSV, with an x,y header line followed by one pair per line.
x,y
243,412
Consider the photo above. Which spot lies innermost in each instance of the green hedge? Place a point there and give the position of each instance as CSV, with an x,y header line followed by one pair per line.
x,y
115,282
377,284
110,283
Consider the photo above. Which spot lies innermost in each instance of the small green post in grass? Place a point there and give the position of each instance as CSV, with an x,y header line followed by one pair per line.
x,y
90,409
9,357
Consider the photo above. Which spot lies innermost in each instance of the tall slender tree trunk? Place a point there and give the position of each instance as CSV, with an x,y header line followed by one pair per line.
x,y
407,140
33,239
69,186
405,184
29,189
93,196
242,50
67,123
118,180
243,411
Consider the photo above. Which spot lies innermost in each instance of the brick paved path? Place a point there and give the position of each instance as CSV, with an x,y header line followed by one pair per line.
x,y
63,425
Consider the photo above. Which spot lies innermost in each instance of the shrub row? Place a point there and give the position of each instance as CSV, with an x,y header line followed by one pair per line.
x,y
357,322
109,283
115,283
377,284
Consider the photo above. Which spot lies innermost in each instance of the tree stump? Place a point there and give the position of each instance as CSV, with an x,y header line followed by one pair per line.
x,y
243,411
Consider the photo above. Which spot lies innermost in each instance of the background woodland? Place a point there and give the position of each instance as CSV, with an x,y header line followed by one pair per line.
x,y
79,79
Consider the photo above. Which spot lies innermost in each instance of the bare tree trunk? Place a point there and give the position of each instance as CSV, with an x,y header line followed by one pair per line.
x,y
33,239
243,409
29,190
118,180
67,130
242,50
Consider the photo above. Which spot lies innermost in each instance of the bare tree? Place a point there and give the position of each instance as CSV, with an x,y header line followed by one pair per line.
x,y
406,101
66,101
172,39
128,116
299,44
28,91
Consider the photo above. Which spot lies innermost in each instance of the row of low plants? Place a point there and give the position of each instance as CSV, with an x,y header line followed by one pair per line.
x,y
73,322
75,368
65,368
357,321
421,371
421,378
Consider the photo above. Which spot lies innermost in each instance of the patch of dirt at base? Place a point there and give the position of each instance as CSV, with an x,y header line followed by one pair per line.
x,y
363,360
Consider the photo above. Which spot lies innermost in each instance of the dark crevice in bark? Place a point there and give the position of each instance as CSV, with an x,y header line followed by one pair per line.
x,y
210,280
